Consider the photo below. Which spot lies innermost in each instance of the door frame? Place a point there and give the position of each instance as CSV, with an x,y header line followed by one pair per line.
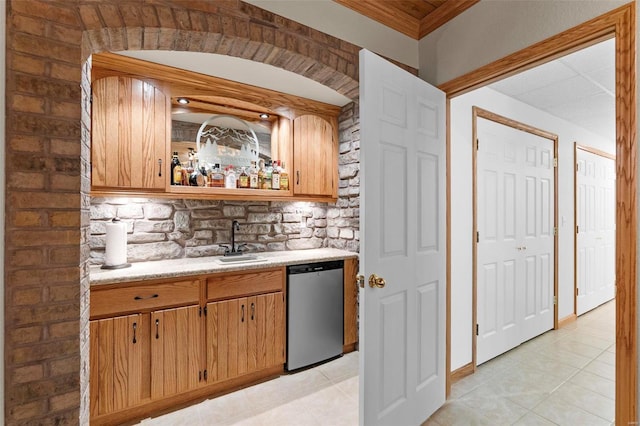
x,y
621,24
477,113
576,147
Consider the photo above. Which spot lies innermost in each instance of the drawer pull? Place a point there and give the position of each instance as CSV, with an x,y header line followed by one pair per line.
x,y
253,310
157,333
159,167
135,325
242,309
153,296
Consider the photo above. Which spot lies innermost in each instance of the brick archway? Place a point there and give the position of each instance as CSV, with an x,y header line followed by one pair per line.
x,y
49,45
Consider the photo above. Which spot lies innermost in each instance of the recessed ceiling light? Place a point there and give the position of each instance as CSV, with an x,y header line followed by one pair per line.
x,y
264,116
183,101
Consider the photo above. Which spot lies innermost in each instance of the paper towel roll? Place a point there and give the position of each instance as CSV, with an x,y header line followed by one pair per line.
x,y
115,253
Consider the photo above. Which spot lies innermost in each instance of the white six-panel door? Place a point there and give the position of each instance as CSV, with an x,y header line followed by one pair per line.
x,y
402,184
596,227
515,240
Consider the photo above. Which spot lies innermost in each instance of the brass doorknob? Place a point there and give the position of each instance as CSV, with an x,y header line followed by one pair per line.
x,y
376,281
360,280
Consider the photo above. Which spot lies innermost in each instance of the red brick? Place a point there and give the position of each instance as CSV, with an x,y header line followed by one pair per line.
x,y
65,255
21,219
29,25
64,329
64,219
34,200
35,314
45,87
65,72
29,373
27,64
89,16
64,366
64,34
25,257
65,109
31,409
46,10
165,17
25,143
24,335
27,103
64,401
24,180
149,16
61,293
26,296
39,276
132,15
47,48
183,22
65,182
110,15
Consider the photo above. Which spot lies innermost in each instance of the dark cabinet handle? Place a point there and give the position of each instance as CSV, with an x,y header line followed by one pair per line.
x,y
157,332
153,296
242,310
159,167
200,376
253,310
135,325
297,177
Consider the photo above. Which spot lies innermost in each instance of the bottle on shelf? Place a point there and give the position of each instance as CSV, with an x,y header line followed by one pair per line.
x,y
275,176
253,176
176,170
243,179
230,178
268,173
261,174
217,177
284,178
196,178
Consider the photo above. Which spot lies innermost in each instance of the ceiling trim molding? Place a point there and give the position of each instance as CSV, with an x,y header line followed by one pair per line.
x,y
390,14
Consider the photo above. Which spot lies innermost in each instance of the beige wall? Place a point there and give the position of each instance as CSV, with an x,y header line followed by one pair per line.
x,y
493,29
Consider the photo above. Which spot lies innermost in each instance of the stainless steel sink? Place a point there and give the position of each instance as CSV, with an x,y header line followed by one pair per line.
x,y
241,259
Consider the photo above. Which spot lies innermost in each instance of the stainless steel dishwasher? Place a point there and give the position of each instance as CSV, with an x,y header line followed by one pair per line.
x,y
315,313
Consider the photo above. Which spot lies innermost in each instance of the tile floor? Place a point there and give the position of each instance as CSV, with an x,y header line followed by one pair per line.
x,y
564,377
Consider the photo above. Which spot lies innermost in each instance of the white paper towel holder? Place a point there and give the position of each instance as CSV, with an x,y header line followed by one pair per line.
x,y
121,265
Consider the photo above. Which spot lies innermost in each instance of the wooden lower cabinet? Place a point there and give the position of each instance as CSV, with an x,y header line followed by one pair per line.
x,y
119,364
176,351
244,335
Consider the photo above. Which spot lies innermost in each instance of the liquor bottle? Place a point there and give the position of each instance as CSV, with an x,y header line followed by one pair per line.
x,y
217,178
268,172
176,170
261,174
230,178
275,176
253,176
284,178
196,178
243,179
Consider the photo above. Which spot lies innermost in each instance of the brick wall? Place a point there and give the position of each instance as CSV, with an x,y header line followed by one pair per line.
x,y
47,153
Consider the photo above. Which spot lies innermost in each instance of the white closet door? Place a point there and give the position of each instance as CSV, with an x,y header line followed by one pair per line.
x,y
515,248
595,214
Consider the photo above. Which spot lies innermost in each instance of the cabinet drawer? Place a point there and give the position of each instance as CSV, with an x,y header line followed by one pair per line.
x,y
143,297
245,283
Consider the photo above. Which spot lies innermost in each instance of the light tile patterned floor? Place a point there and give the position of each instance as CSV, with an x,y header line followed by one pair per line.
x,y
564,377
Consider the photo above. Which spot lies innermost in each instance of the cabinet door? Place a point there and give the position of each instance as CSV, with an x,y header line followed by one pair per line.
x,y
176,351
119,363
244,335
314,157
130,131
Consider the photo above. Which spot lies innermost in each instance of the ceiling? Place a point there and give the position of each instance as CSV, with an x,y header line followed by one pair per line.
x,y
414,18
579,88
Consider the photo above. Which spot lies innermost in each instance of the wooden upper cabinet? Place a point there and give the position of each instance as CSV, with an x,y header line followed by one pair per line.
x,y
131,129
314,156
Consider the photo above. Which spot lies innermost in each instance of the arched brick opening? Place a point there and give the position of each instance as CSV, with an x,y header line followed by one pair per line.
x,y
49,45
340,76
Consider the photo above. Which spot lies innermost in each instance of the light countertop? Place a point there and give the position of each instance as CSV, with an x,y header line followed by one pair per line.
x,y
210,265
